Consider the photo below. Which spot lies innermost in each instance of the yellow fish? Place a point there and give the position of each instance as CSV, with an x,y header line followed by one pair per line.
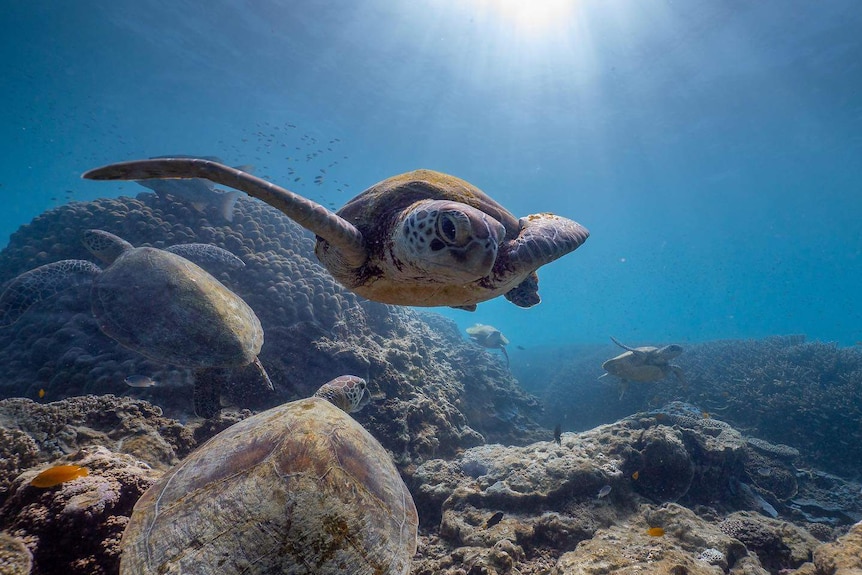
x,y
635,475
41,393
655,531
59,474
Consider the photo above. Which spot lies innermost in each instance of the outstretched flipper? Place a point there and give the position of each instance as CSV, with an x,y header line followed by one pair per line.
x,y
41,283
203,254
312,216
544,238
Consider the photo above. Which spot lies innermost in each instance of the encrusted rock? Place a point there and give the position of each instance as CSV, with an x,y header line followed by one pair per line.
x,y
74,528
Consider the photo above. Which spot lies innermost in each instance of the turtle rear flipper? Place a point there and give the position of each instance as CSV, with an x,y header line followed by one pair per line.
x,y
41,283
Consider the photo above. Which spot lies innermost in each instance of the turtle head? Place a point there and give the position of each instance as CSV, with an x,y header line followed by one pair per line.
x,y
447,240
104,245
347,392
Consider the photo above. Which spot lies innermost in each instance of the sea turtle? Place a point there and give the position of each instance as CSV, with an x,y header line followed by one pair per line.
x,y
422,238
490,337
157,303
299,488
643,364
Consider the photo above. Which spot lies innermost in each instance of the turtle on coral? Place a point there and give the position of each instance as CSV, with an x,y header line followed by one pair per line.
x,y
299,488
422,238
157,303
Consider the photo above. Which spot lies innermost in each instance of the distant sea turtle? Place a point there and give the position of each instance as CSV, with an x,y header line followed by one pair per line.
x,y
643,364
299,488
422,238
157,303
490,337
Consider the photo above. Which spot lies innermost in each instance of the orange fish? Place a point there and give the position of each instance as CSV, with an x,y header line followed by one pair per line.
x,y
635,475
41,393
655,531
59,474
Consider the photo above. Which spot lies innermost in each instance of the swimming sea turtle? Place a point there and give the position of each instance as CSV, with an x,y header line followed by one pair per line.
x,y
490,337
157,303
643,364
422,238
299,488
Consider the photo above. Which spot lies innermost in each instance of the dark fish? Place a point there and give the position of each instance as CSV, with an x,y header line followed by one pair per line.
x,y
558,434
521,347
494,519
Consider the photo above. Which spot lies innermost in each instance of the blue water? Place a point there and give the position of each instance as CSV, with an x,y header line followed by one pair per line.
x,y
714,149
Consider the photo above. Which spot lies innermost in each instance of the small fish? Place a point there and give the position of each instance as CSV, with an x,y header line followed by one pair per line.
x,y
558,434
655,531
635,475
604,491
41,394
521,347
494,519
705,415
140,381
59,474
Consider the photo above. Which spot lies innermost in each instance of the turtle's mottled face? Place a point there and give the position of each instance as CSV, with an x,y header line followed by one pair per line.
x,y
347,392
447,240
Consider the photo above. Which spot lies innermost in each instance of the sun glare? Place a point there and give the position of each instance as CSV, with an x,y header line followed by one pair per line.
x,y
530,17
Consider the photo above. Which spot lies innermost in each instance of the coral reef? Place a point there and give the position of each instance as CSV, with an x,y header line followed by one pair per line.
x,y
75,527
807,395
434,393
15,558
843,557
44,432
590,504
540,508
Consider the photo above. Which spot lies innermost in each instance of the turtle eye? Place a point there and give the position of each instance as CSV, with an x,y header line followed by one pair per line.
x,y
453,229
448,228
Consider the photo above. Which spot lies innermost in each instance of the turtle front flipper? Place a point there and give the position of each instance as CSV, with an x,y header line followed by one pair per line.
x,y
526,293
544,238
203,254
41,283
340,233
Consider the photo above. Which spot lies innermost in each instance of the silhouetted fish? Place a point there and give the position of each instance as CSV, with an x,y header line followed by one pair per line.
x,y
494,519
558,434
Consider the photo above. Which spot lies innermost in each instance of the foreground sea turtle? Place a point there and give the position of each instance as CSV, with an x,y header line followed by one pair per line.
x,y
157,303
299,488
421,238
643,364
490,337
